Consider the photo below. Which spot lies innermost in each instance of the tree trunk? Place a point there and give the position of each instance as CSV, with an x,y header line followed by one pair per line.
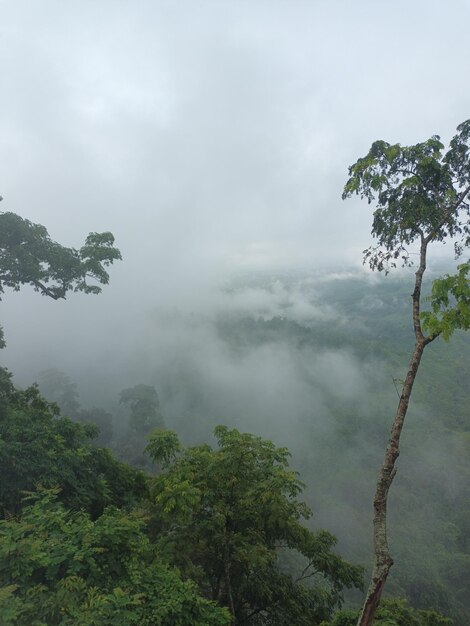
x,y
382,558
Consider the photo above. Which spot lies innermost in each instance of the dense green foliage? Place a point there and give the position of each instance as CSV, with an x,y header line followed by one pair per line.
x,y
39,447
83,554
224,514
393,613
59,567
70,557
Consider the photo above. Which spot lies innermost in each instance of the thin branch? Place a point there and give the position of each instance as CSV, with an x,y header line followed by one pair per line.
x,y
49,291
305,576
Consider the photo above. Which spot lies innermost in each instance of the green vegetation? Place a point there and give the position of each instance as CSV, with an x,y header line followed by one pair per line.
x,y
224,514
57,566
40,447
95,549
393,613
145,408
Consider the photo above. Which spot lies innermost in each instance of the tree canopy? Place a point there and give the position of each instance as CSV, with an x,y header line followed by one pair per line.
x,y
40,447
230,518
421,194
28,256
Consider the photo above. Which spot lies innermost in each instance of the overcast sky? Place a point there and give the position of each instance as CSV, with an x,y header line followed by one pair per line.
x,y
213,136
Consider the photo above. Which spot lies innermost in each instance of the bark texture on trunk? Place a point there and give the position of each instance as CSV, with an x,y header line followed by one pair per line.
x,y
382,558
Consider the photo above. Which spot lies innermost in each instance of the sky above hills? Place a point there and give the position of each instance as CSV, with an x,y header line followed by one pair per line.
x,y
214,136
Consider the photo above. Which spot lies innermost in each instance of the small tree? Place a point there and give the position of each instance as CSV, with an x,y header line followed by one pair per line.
x,y
421,195
145,415
57,387
225,516
144,405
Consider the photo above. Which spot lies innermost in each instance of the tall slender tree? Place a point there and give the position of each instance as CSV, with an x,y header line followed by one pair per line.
x,y
422,195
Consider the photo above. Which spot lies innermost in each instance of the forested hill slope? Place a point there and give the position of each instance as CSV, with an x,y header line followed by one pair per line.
x,y
370,318
357,349
315,362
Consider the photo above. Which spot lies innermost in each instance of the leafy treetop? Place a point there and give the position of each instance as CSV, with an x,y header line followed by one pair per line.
x,y
28,256
421,193
144,405
229,518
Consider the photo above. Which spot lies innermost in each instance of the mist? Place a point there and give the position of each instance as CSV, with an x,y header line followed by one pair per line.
x,y
328,401
213,139
210,138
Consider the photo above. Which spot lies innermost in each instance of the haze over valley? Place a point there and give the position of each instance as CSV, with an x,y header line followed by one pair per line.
x,y
214,139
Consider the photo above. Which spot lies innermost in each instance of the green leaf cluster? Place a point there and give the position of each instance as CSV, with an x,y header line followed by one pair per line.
x,y
60,567
450,304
